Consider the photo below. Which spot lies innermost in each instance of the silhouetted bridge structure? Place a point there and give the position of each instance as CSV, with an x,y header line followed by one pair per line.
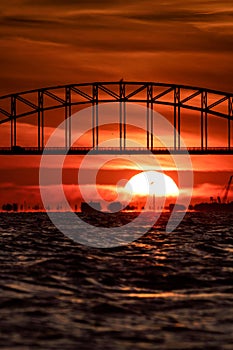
x,y
37,102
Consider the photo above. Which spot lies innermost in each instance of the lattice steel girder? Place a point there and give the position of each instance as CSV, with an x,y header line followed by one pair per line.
x,y
54,97
109,92
190,97
81,93
217,102
27,102
135,92
155,98
230,107
117,91
122,90
7,114
95,92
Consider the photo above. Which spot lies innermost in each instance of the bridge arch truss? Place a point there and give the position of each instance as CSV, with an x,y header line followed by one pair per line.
x,y
204,101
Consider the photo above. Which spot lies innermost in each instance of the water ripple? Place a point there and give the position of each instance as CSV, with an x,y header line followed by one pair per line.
x,y
164,291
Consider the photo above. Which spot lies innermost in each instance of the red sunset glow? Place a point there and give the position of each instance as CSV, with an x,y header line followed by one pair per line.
x,y
50,43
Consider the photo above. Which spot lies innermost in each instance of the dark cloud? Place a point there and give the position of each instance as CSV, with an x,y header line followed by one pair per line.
x,y
20,21
76,3
182,16
175,39
114,34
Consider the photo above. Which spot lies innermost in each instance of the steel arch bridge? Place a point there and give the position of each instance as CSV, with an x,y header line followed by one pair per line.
x,y
37,102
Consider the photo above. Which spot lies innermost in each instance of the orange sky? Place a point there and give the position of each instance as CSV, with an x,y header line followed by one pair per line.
x,y
49,42
45,42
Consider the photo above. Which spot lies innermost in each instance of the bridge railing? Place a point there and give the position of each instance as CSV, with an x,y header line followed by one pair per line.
x,y
113,150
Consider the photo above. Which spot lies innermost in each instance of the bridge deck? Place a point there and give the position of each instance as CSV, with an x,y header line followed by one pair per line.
x,y
114,150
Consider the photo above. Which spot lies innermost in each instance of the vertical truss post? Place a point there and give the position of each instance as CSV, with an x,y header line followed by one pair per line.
x,y
178,107
124,123
122,118
40,120
95,116
230,117
149,118
202,120
38,129
66,128
152,126
13,121
67,117
147,124
120,125
177,117
206,119
93,122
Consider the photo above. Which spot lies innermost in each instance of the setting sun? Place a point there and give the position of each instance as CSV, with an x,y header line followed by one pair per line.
x,y
152,183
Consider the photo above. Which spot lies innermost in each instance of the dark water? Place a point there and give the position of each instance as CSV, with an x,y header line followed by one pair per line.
x,y
165,291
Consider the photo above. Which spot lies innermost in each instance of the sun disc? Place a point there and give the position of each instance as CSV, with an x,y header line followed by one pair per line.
x,y
152,183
